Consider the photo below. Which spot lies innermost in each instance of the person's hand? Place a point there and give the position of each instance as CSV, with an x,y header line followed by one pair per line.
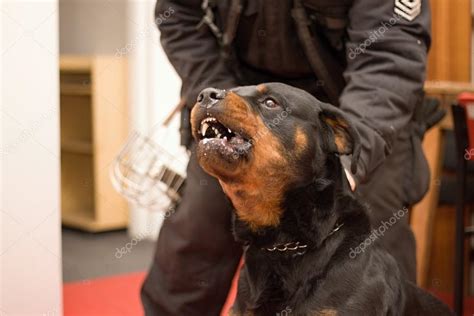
x,y
350,179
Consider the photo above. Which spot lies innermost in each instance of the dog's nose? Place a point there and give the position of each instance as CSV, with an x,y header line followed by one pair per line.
x,y
209,96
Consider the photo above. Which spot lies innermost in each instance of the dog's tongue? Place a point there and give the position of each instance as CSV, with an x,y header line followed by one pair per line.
x,y
236,140
233,147
239,143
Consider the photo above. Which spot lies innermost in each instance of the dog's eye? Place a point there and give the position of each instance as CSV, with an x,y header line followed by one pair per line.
x,y
270,103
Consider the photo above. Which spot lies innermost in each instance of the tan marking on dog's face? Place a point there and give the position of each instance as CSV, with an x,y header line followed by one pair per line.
x,y
301,140
341,138
341,144
256,187
236,103
258,191
262,88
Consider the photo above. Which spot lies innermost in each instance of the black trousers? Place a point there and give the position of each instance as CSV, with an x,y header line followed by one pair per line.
x,y
196,256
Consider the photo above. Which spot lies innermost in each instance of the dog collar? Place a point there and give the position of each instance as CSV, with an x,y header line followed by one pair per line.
x,y
289,246
297,247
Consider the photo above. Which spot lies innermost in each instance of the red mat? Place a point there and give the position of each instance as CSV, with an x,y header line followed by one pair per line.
x,y
120,296
109,296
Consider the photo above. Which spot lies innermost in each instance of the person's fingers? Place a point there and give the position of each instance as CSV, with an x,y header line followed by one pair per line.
x,y
351,180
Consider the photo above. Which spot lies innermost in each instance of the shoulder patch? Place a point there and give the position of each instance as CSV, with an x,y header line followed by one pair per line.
x,y
409,9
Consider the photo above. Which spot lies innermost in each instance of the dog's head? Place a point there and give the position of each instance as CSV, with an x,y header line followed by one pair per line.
x,y
262,141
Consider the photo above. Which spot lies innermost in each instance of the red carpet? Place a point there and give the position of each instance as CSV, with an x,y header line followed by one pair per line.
x,y
120,296
109,296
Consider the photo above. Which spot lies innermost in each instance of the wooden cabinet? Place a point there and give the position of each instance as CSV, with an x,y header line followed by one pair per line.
x,y
94,119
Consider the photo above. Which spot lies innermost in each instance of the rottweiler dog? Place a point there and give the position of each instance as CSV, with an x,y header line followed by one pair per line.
x,y
275,151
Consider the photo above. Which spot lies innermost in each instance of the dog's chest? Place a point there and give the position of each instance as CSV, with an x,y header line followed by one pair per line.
x,y
265,288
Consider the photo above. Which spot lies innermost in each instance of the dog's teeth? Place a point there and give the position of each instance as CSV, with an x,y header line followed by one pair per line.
x,y
204,127
209,119
219,135
225,138
229,130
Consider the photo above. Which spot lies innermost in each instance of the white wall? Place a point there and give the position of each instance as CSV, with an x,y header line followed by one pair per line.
x,y
126,28
92,26
30,250
153,92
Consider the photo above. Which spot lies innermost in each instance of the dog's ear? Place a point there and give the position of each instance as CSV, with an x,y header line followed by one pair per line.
x,y
342,137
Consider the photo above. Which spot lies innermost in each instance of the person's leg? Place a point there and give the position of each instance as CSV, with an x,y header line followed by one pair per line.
x,y
386,198
196,255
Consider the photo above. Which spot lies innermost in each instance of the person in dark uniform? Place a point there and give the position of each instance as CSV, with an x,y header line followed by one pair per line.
x,y
368,57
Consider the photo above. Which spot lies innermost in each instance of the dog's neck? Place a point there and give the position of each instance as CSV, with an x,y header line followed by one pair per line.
x,y
310,222
310,214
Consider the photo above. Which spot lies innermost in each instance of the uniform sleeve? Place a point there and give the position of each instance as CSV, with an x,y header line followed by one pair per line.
x,y
386,56
195,54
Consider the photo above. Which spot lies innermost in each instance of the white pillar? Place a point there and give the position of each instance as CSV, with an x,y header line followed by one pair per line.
x,y
153,92
30,250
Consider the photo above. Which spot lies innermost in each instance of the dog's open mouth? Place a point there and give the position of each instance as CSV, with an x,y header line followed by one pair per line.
x,y
214,136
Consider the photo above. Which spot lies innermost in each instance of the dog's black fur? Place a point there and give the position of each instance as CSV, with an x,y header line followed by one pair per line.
x,y
314,199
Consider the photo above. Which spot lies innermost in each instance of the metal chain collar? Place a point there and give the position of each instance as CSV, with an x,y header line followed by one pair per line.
x,y
290,246
296,246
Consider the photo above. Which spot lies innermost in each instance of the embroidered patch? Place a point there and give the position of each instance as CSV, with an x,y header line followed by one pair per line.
x,y
409,9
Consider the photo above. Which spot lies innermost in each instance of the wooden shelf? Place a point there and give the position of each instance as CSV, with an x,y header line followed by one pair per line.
x,y
77,64
75,89
79,147
447,87
93,128
447,92
79,219
75,82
